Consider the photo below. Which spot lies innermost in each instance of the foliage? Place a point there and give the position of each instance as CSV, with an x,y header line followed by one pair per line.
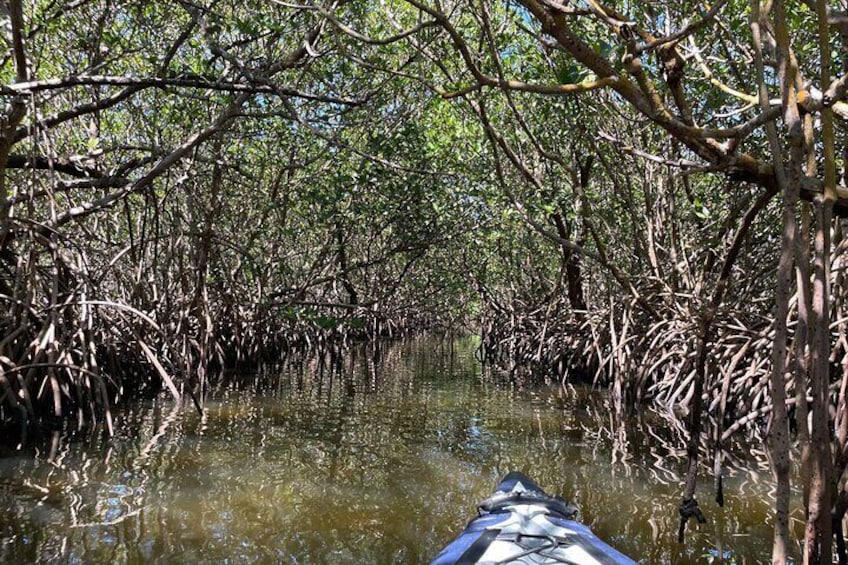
x,y
192,186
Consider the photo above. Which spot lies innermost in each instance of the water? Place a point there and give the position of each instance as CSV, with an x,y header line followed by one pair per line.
x,y
363,462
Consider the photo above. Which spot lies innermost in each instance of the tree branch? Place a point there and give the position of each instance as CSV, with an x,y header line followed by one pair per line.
x,y
156,82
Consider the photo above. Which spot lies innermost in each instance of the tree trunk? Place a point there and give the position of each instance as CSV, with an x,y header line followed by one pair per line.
x,y
789,186
15,112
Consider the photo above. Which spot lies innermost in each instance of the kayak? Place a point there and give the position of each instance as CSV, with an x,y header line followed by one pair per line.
x,y
520,523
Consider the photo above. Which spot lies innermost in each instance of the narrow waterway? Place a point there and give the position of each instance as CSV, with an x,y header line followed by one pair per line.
x,y
367,459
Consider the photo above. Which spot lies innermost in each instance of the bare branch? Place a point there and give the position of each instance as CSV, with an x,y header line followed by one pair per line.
x,y
163,165
17,20
554,89
372,40
686,31
81,110
65,166
156,82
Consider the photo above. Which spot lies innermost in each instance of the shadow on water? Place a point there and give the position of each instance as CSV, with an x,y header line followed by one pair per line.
x,y
369,457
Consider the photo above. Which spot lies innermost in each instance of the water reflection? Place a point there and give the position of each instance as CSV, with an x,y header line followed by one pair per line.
x,y
374,457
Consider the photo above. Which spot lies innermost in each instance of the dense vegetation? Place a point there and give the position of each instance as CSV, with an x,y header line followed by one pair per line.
x,y
644,195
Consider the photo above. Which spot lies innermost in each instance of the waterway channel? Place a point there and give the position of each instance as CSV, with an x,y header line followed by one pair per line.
x,y
366,459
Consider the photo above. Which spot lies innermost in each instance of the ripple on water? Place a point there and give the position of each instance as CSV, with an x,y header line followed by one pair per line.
x,y
362,467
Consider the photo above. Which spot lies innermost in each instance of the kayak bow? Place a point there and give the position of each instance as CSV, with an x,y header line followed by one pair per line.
x,y
520,523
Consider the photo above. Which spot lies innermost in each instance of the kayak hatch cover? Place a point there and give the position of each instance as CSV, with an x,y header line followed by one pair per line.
x,y
520,523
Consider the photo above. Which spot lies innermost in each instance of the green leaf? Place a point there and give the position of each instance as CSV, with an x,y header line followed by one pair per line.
x,y
326,322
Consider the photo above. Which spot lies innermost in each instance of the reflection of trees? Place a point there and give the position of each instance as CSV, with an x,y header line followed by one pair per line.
x,y
648,449
347,457
283,450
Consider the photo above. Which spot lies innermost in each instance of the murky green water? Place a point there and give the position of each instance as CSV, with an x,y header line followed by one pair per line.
x,y
361,462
